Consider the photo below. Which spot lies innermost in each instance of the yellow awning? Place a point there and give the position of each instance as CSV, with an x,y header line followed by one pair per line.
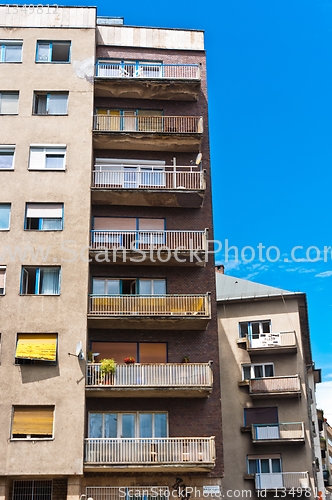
x,y
37,420
36,346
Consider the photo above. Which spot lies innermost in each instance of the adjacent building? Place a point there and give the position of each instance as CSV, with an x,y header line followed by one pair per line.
x,y
105,214
267,404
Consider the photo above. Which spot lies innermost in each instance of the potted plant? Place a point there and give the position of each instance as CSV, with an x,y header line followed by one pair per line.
x,y
107,370
185,359
129,361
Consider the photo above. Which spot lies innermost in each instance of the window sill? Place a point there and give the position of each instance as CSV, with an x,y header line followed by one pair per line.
x,y
8,114
49,114
47,169
52,62
8,229
40,294
6,170
43,230
32,439
243,383
10,62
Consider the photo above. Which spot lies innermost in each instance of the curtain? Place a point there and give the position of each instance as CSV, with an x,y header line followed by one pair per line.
x,y
13,53
49,281
51,224
57,104
9,103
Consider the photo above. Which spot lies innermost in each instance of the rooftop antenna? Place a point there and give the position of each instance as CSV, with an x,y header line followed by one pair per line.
x,y
78,351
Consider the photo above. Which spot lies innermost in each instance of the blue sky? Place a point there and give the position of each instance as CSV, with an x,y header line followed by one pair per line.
x,y
270,104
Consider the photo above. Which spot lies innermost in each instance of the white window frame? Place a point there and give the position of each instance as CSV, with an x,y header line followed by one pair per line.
x,y
252,369
4,268
250,323
6,43
9,92
10,212
41,219
49,96
136,424
10,148
48,149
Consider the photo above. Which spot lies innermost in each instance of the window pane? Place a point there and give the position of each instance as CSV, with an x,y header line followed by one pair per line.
x,y
159,287
145,287
258,371
9,103
60,51
110,425
269,372
4,215
128,425
13,53
145,425
246,372
57,104
40,104
51,224
244,331
152,352
252,466
54,161
95,425
6,159
43,54
266,327
98,286
116,350
160,425
49,281
276,465
113,287
255,330
268,415
265,465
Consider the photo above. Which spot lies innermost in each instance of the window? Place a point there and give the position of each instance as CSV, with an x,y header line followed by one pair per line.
x,y
53,103
7,157
9,103
128,232
32,490
32,422
257,371
127,425
47,158
10,51
53,52
4,216
36,348
254,329
40,281
264,464
142,352
2,280
115,286
44,216
265,415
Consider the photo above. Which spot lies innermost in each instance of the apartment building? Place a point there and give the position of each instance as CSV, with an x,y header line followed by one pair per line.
x,y
267,404
105,217
324,438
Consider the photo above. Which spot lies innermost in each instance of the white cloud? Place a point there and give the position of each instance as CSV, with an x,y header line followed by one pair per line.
x,y
324,399
325,274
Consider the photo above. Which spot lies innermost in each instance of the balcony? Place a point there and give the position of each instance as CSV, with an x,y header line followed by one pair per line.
x,y
278,433
154,185
148,133
151,380
283,342
170,312
285,386
156,454
179,82
282,480
150,247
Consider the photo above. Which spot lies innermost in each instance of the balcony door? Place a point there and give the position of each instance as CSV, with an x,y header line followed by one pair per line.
x,y
127,425
268,471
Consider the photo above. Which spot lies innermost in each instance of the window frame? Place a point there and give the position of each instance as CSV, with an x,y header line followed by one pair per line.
x,y
252,370
249,324
137,348
136,281
9,92
259,463
17,495
136,422
37,281
9,217
40,219
50,43
4,44
26,438
8,148
46,151
3,268
37,94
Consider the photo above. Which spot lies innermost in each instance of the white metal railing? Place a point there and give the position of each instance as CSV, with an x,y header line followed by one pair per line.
x,y
139,178
152,375
150,305
105,69
276,385
282,339
167,124
149,240
127,492
150,450
276,480
280,432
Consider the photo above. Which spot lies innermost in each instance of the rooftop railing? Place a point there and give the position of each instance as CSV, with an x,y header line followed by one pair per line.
x,y
280,432
149,124
151,375
275,385
150,71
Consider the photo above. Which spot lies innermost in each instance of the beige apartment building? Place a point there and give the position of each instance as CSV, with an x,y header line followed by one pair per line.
x,y
268,407
105,215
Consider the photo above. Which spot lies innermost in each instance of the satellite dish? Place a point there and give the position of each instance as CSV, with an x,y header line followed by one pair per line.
x,y
78,351
199,158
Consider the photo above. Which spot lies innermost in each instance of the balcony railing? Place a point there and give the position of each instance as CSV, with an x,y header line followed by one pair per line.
x,y
138,178
284,480
275,385
270,340
155,124
127,492
147,71
149,240
149,305
152,375
150,451
292,431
